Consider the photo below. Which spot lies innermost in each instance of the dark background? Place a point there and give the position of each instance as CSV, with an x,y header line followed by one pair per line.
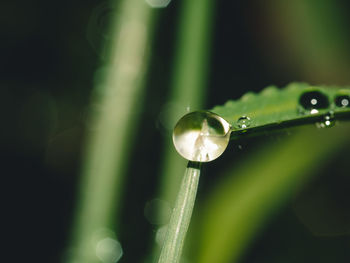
x,y
50,51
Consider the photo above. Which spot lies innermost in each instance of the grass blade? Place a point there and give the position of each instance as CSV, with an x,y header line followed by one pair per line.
x,y
189,82
180,219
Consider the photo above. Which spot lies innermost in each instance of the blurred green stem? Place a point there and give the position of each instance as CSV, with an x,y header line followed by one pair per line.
x,y
188,91
189,82
181,217
113,125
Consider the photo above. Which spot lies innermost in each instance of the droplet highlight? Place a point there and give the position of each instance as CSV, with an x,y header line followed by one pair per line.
x,y
243,122
201,136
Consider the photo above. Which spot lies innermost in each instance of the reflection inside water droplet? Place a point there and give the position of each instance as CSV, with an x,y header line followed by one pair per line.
x,y
313,111
201,136
243,122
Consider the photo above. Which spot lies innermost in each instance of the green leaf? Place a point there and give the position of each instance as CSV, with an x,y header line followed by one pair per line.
x,y
273,106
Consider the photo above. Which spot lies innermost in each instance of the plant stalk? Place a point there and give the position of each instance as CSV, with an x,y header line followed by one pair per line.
x,y
181,216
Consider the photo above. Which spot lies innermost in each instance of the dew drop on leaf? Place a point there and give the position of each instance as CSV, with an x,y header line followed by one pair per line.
x,y
313,100
201,136
342,101
328,121
243,122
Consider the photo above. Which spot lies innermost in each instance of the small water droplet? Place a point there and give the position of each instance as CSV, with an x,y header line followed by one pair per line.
x,y
201,136
342,101
328,121
312,101
243,122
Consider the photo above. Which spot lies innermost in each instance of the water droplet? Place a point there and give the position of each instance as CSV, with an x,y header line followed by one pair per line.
x,y
201,136
243,122
342,101
313,100
328,121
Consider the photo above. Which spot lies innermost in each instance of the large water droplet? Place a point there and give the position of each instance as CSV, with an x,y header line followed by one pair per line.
x,y
313,100
342,101
243,122
201,136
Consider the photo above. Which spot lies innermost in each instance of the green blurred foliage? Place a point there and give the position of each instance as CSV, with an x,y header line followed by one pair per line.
x,y
55,73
